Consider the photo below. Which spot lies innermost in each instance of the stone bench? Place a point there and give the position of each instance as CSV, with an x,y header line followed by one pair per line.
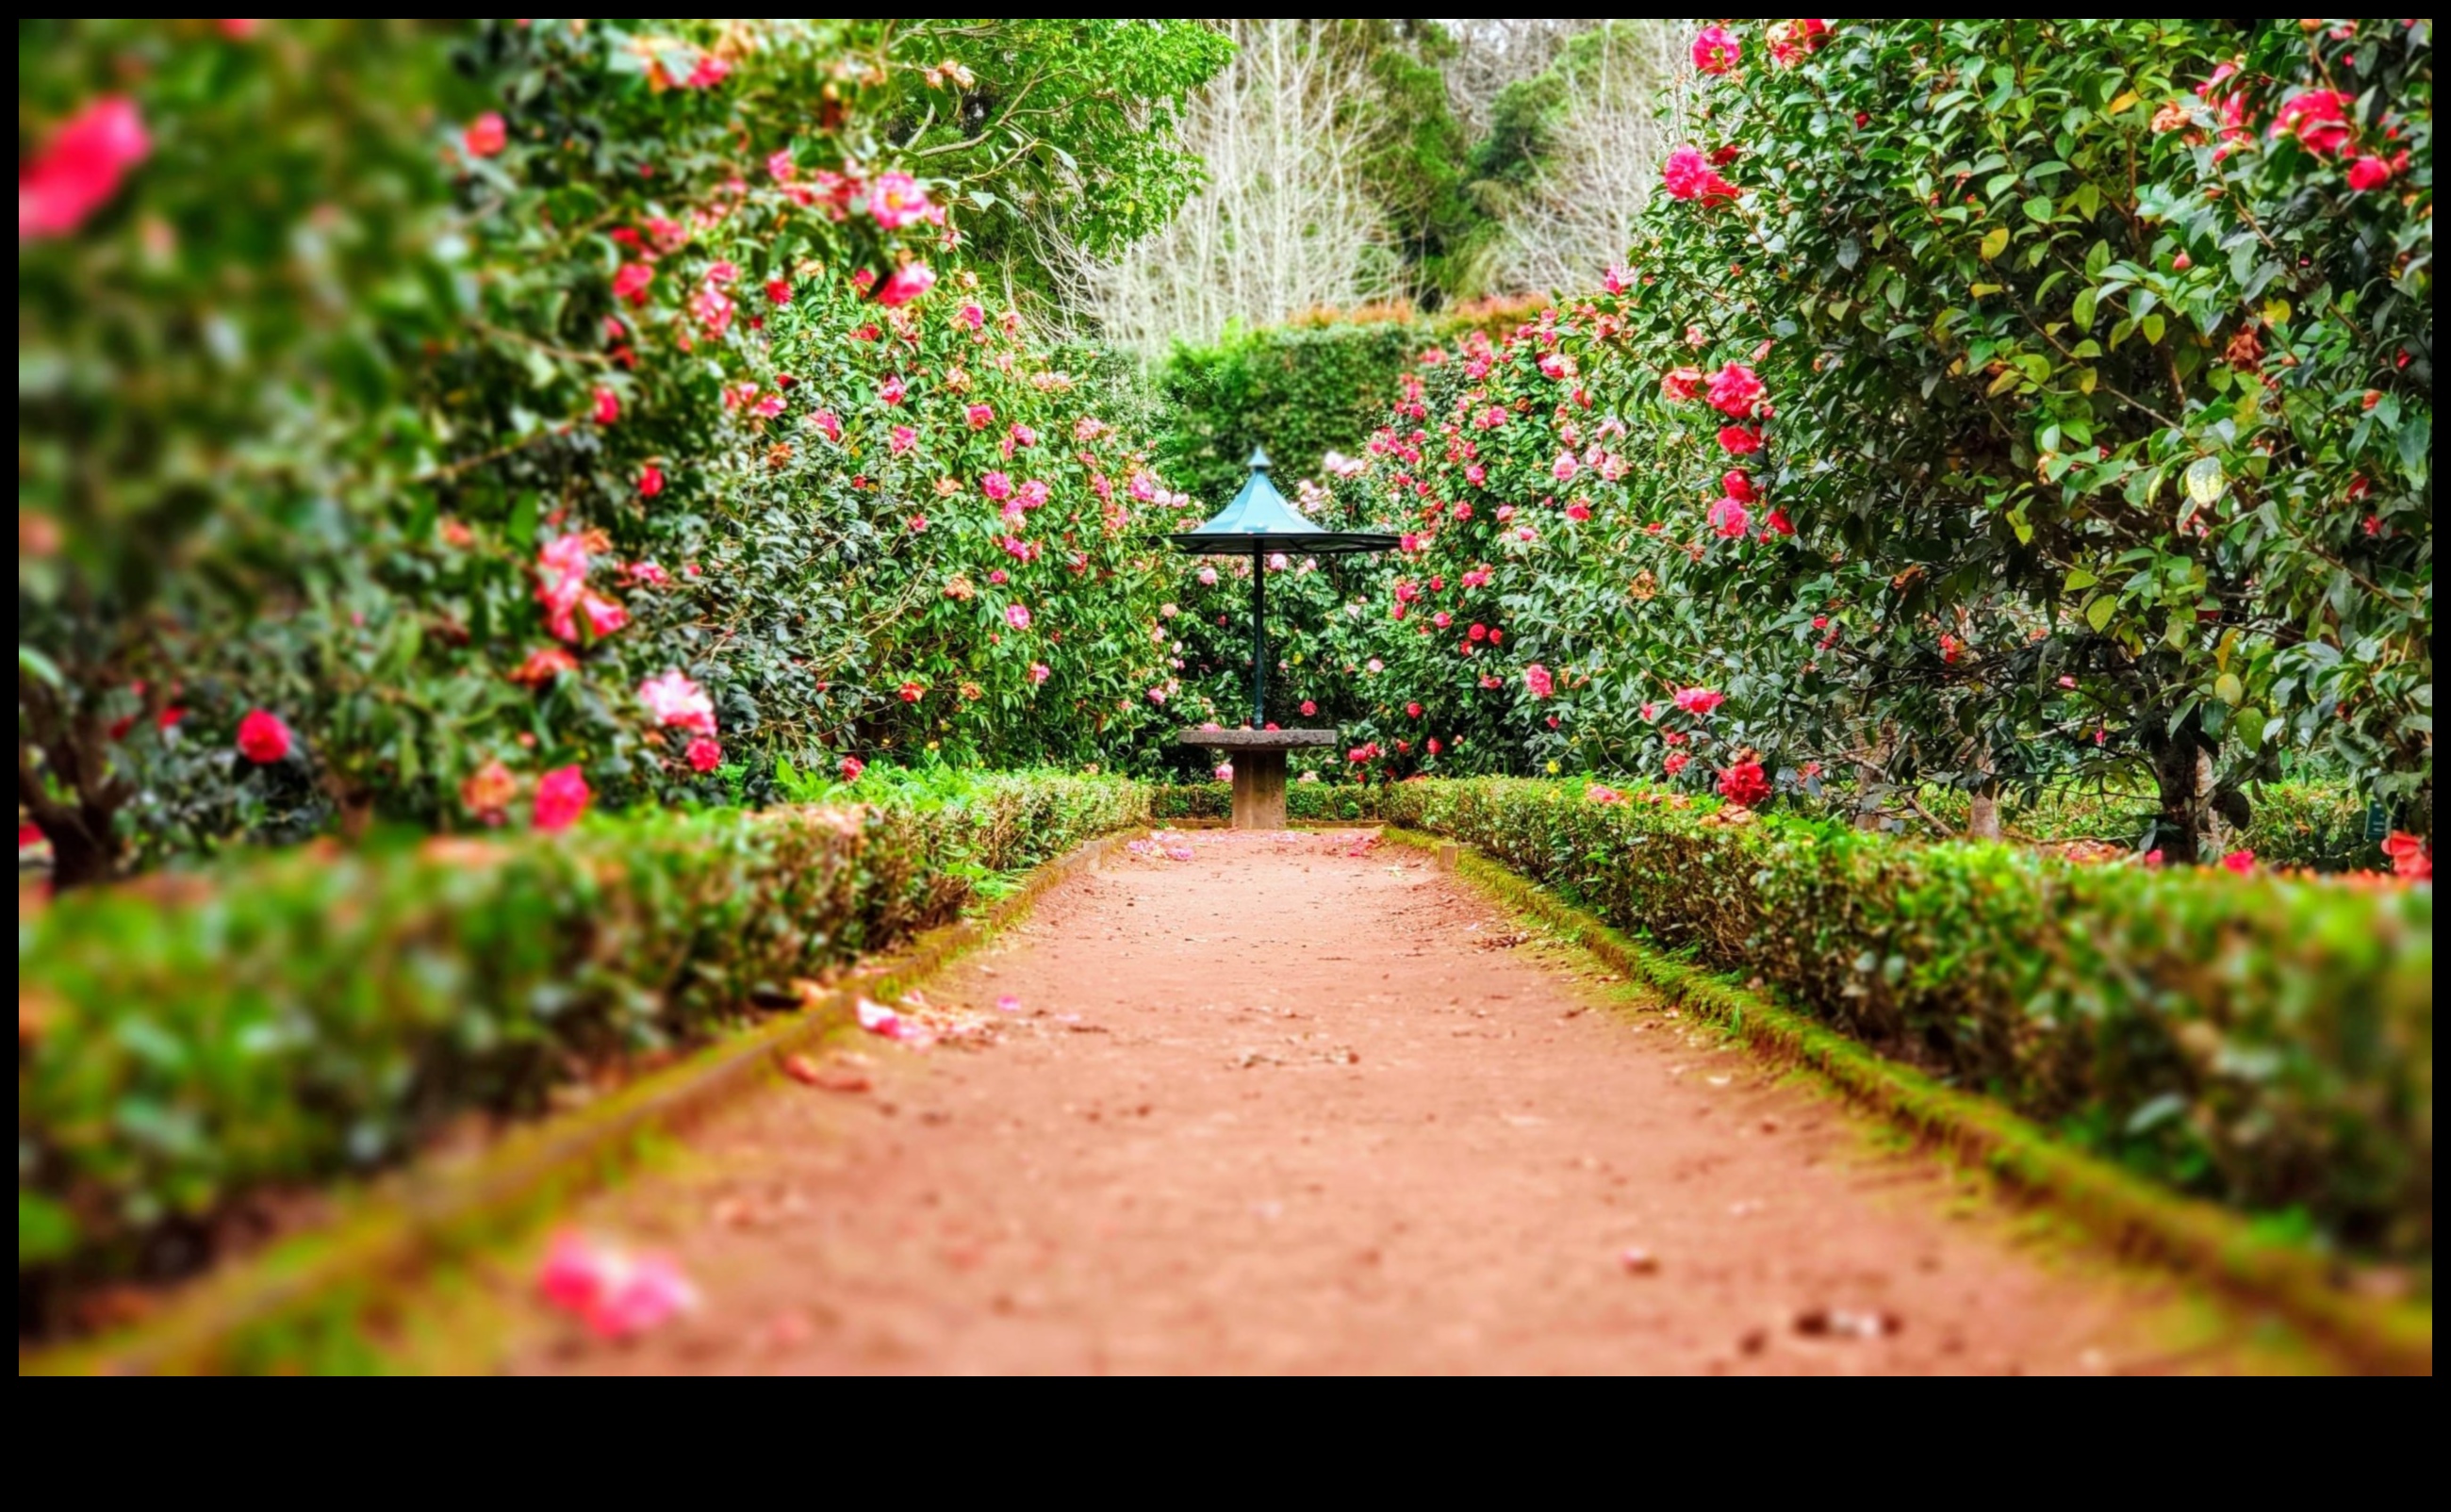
x,y
1259,757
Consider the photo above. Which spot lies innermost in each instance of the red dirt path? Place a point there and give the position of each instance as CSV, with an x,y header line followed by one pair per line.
x,y
1289,1107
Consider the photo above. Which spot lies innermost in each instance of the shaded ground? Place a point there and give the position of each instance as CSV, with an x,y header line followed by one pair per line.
x,y
1301,1102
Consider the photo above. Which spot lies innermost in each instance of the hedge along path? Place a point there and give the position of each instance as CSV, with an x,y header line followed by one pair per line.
x,y
321,1285
1307,1102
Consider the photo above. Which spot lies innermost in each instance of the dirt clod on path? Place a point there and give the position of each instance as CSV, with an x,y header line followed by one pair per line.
x,y
1304,1103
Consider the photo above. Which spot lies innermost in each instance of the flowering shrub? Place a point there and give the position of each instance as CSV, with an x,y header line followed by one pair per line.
x,y
381,376
1952,449
188,1042
2260,1040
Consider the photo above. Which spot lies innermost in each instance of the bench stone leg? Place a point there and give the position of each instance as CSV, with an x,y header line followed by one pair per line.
x,y
1258,790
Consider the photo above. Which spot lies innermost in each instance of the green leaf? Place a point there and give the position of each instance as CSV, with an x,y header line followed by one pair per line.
x,y
2098,613
41,666
2079,579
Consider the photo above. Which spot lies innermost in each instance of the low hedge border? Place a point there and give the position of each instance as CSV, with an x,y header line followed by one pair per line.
x,y
193,1040
2263,1041
248,1316
2137,1217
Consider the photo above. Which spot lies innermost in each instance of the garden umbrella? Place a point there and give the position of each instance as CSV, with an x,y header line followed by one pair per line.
x,y
1258,524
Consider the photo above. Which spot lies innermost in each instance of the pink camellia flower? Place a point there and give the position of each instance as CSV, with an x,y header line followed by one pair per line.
x,y
1688,175
1737,484
607,406
1209,577
1537,678
616,1296
1157,695
704,754
1682,382
487,135
80,170
2241,862
852,767
1729,518
707,72
1598,794
1696,701
651,480
2318,118
901,439
1563,468
1578,511
2372,172
1224,770
1021,434
779,290
1735,390
827,423
1740,440
896,201
561,797
261,737
980,416
603,614
908,282
2412,859
649,573
912,692
1309,709
893,389
630,281
1617,280
919,524
675,700
997,486
1791,40
780,166
1032,494
1016,615
1715,50
1677,761
971,315
1039,673
1743,784
713,309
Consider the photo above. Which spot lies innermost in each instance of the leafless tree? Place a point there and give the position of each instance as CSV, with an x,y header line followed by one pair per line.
x,y
1285,223
1492,54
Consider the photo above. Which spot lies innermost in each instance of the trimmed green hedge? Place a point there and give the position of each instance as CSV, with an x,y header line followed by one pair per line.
x,y
2317,825
2266,1041
195,1039
1300,391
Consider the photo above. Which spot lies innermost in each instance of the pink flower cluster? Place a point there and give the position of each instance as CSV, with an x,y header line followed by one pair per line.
x,y
614,1294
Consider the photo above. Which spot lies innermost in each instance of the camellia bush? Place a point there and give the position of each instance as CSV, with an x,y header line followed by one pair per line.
x,y
1986,403
374,378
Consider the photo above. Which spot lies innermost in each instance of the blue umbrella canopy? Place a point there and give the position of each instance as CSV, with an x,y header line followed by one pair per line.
x,y
1259,519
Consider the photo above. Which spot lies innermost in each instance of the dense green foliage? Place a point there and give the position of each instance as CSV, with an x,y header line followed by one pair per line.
x,y
198,1039
2266,1041
1983,415
421,414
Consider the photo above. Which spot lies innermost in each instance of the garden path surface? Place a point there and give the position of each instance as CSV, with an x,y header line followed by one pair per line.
x,y
1304,1102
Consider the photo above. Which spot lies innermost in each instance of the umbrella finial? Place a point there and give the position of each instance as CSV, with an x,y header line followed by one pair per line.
x,y
1258,461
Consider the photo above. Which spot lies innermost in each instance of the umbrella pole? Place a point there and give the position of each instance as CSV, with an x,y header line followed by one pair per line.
x,y
1258,640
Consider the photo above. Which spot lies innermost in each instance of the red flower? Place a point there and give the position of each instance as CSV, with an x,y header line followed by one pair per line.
x,y
1740,440
651,480
1777,523
1743,784
630,281
2373,172
779,290
1715,50
913,692
852,767
1688,175
1414,710
261,737
908,282
2410,857
1677,761
2241,862
1308,708
543,665
608,407
561,797
1699,701
1729,518
1597,794
1682,382
1537,680
704,754
2319,118
1735,391
80,170
487,135
1737,484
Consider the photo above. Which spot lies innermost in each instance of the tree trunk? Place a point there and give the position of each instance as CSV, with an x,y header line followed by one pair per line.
x,y
1983,812
2191,830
